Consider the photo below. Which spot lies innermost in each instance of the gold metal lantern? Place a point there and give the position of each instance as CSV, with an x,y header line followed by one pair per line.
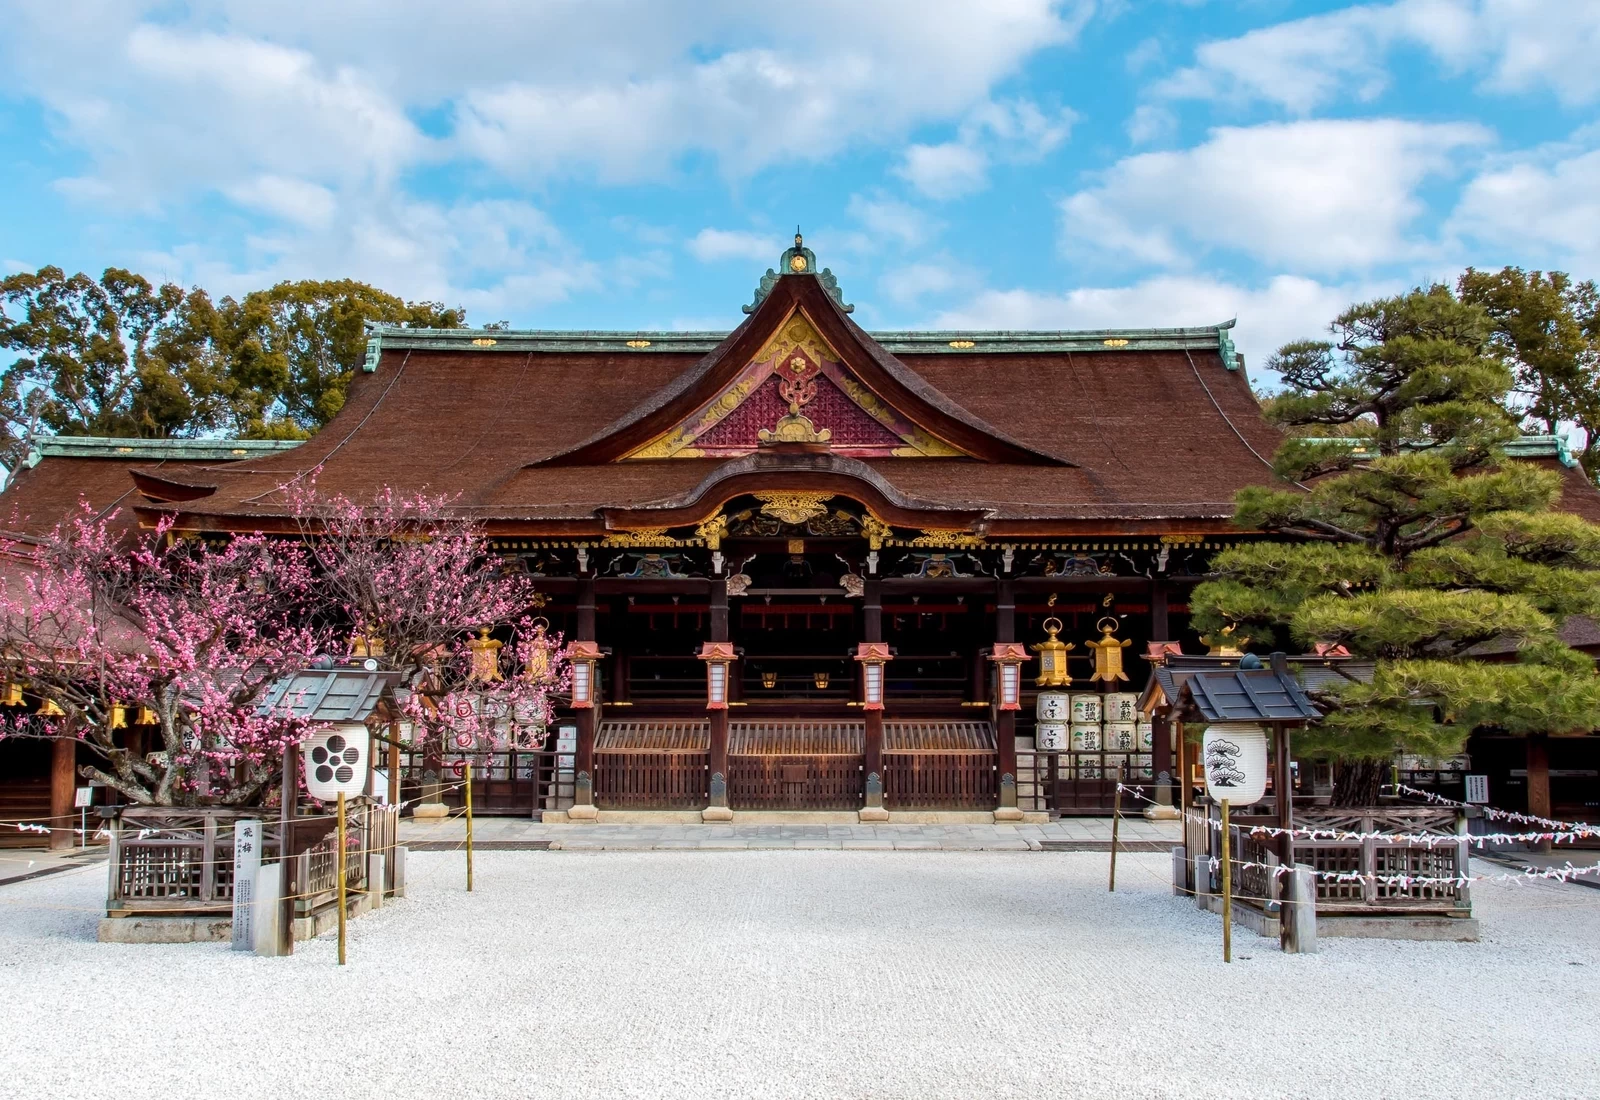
x,y
1052,657
1108,653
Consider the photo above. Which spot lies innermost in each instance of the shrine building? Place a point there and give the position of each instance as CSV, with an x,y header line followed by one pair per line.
x,y
802,566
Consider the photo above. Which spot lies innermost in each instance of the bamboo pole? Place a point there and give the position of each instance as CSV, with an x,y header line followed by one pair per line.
x,y
1227,889
469,825
340,863
1116,818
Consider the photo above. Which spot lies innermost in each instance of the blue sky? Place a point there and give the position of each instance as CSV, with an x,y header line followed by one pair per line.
x,y
1004,163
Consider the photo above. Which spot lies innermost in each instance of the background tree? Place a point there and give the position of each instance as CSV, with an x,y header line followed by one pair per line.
x,y
1547,327
195,632
119,357
293,349
1413,544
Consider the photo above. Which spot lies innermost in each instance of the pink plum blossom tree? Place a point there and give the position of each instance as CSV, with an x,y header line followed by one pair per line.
x,y
96,623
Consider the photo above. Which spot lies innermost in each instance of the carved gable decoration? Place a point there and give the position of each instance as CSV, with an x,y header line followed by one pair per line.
x,y
796,390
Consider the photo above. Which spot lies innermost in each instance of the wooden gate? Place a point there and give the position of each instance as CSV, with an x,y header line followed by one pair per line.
x,y
795,765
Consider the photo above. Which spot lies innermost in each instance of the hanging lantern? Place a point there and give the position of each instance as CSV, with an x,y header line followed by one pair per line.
x,y
146,717
48,709
12,696
1052,657
119,717
769,679
364,645
1108,653
821,679
485,657
717,656
538,668
584,657
1008,658
1234,755
335,761
873,656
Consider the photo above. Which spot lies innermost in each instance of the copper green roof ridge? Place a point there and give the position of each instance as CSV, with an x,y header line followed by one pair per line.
x,y
99,446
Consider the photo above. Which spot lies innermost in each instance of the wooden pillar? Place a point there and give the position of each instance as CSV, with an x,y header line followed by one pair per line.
x,y
63,782
1184,794
1285,794
584,761
394,761
290,883
1160,629
1005,630
1161,755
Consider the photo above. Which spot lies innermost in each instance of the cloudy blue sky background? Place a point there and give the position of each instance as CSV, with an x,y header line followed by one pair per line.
x,y
1003,163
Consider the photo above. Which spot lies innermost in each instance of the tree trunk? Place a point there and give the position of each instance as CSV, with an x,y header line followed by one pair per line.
x,y
1357,782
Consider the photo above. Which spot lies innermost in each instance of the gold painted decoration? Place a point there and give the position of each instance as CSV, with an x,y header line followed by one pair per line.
x,y
1225,643
1108,653
48,709
644,536
876,531
949,540
794,428
713,531
794,507
12,696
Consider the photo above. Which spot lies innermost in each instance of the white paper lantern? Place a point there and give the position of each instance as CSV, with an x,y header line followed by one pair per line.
x,y
1235,761
336,760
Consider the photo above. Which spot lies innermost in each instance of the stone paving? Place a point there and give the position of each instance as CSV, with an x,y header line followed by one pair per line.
x,y
1084,834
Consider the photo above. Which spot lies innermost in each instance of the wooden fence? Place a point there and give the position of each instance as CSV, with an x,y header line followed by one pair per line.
x,y
652,780
811,782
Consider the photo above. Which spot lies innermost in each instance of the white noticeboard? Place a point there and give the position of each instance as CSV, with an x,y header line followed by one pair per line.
x,y
246,863
1478,789
1235,760
82,798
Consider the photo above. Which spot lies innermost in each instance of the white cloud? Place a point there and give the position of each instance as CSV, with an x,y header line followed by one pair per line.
x,y
1509,45
1543,204
890,220
715,245
1312,196
1286,308
907,284
1015,131
1149,123
945,171
294,200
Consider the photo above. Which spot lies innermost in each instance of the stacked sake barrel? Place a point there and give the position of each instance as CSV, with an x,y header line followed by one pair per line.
x,y
1095,723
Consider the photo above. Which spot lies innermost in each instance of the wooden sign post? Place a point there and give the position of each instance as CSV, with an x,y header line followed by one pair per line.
x,y
341,873
1227,888
469,825
1116,817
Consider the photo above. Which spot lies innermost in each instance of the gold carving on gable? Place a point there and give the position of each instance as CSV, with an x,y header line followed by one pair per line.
x,y
793,507
713,530
797,334
953,540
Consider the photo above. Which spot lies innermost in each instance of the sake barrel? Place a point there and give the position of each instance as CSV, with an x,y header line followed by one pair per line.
x,y
1122,706
1085,709
1113,760
1086,738
1054,706
1050,736
1147,737
1121,737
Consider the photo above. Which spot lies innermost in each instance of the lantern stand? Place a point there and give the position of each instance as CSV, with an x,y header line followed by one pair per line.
x,y
584,657
873,657
1238,706
719,658
1008,658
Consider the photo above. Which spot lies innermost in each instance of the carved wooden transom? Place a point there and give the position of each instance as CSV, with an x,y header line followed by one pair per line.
x,y
796,390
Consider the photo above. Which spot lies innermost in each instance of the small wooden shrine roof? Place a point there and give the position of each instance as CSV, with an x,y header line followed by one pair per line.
x,y
1247,695
329,695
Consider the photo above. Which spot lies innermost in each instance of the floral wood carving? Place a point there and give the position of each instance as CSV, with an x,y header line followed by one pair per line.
x,y
792,506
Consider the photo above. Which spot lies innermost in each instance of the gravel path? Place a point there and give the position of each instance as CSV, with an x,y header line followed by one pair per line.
x,y
798,974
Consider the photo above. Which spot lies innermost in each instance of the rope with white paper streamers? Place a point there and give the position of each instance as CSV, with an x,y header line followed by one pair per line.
x,y
1423,840
1561,874
1579,828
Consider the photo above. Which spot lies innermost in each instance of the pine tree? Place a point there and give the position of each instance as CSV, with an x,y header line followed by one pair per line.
x,y
1411,542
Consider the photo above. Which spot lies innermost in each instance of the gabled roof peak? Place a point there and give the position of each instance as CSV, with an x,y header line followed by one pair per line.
x,y
798,260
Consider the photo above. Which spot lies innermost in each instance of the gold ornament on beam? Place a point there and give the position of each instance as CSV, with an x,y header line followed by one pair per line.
x,y
793,507
644,536
876,531
1052,657
1108,653
12,696
1224,643
713,531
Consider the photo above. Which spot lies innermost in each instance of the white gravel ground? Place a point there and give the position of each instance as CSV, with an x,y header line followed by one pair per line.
x,y
798,974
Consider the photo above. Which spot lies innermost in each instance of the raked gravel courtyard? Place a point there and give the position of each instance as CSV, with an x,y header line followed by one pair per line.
x,y
770,974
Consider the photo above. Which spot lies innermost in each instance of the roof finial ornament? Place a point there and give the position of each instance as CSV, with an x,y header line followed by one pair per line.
x,y
798,260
